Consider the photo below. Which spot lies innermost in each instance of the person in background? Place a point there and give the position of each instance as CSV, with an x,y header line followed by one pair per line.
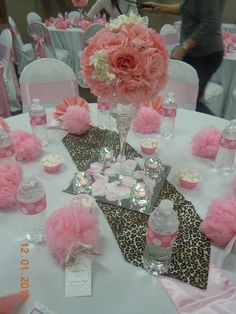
x,y
201,39
112,8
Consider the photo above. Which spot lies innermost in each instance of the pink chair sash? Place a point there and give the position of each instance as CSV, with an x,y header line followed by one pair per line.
x,y
170,39
4,101
14,49
185,92
15,30
220,296
48,92
40,40
8,55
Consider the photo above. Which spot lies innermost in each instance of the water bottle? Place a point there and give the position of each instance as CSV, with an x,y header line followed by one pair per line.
x,y
168,116
162,229
224,160
6,147
38,121
31,199
103,110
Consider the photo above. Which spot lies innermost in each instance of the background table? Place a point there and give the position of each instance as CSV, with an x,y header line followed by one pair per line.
x,y
117,286
70,39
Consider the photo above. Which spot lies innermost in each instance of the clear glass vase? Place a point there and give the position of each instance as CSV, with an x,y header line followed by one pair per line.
x,y
123,114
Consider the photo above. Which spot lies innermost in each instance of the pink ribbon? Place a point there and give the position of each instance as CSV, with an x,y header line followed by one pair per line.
x,y
185,92
40,40
48,92
4,107
14,32
220,296
7,53
170,39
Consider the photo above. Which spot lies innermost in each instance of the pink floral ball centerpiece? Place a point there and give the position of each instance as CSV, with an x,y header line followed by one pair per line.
x,y
126,60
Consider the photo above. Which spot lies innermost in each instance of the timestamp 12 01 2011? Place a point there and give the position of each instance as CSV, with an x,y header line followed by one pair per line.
x,y
24,268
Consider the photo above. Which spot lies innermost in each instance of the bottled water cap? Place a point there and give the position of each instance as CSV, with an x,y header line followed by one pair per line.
x,y
166,207
36,101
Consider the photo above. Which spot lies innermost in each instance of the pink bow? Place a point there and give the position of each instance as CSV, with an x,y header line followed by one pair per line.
x,y
40,40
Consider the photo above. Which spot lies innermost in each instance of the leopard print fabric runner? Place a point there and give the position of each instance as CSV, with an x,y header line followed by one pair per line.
x,y
191,252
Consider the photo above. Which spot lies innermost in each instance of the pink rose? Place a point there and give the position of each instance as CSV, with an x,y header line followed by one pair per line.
x,y
126,61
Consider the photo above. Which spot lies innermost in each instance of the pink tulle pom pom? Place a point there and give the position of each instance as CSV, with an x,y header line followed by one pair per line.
x,y
219,223
69,230
27,146
147,121
10,178
205,143
4,125
76,120
234,185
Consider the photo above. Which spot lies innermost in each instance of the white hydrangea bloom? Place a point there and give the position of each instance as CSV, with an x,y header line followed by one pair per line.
x,y
101,71
123,19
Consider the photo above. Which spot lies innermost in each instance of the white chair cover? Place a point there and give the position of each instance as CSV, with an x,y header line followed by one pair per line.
x,y
170,36
11,81
213,96
43,43
4,101
23,53
73,14
48,79
231,109
78,75
91,31
183,81
32,17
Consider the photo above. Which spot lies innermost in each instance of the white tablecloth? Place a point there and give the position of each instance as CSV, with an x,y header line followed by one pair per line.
x,y
70,39
226,77
117,286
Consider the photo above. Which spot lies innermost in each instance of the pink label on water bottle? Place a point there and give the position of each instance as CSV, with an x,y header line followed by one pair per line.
x,y
229,144
169,112
6,152
38,120
103,105
160,240
33,208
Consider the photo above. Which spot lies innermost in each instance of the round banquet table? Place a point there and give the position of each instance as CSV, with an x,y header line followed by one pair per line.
x,y
117,286
70,39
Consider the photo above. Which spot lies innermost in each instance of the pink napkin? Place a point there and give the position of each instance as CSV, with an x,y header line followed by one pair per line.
x,y
155,103
220,296
69,101
9,303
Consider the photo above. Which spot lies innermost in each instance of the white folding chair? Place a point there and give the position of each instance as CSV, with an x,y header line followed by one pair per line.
x,y
91,30
43,43
170,37
48,79
183,82
23,52
213,98
11,81
33,17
